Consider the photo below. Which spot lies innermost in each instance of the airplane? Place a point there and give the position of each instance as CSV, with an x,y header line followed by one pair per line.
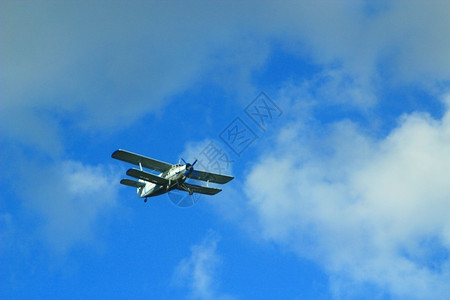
x,y
170,176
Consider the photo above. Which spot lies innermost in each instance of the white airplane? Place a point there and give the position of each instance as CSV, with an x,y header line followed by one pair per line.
x,y
170,176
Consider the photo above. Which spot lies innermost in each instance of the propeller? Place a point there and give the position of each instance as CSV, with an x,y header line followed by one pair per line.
x,y
183,198
190,168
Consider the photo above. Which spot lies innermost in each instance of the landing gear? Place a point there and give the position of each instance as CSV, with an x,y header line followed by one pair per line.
x,y
145,200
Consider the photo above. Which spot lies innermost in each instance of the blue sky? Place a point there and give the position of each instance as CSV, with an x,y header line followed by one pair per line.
x,y
343,194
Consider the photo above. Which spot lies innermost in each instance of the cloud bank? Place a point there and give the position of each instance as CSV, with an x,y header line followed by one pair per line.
x,y
69,200
103,65
370,211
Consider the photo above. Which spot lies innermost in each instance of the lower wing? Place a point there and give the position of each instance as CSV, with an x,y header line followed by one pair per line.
x,y
198,189
147,177
132,183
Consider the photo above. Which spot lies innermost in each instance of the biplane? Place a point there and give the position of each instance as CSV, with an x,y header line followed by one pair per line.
x,y
169,177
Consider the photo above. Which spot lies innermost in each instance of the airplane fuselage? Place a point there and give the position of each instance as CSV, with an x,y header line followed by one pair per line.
x,y
175,175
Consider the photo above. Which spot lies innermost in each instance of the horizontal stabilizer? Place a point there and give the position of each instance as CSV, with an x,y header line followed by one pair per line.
x,y
132,183
147,177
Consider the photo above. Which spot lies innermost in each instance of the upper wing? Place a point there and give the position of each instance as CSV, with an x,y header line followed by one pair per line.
x,y
147,162
211,177
198,189
147,176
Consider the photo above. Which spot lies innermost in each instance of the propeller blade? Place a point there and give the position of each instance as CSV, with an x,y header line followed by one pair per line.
x,y
190,168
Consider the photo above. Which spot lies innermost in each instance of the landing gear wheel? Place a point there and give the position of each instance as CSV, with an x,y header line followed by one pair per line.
x,y
145,200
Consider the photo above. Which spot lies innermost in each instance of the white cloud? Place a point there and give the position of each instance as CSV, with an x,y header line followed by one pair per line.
x,y
72,200
409,38
199,271
369,211
363,46
105,64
